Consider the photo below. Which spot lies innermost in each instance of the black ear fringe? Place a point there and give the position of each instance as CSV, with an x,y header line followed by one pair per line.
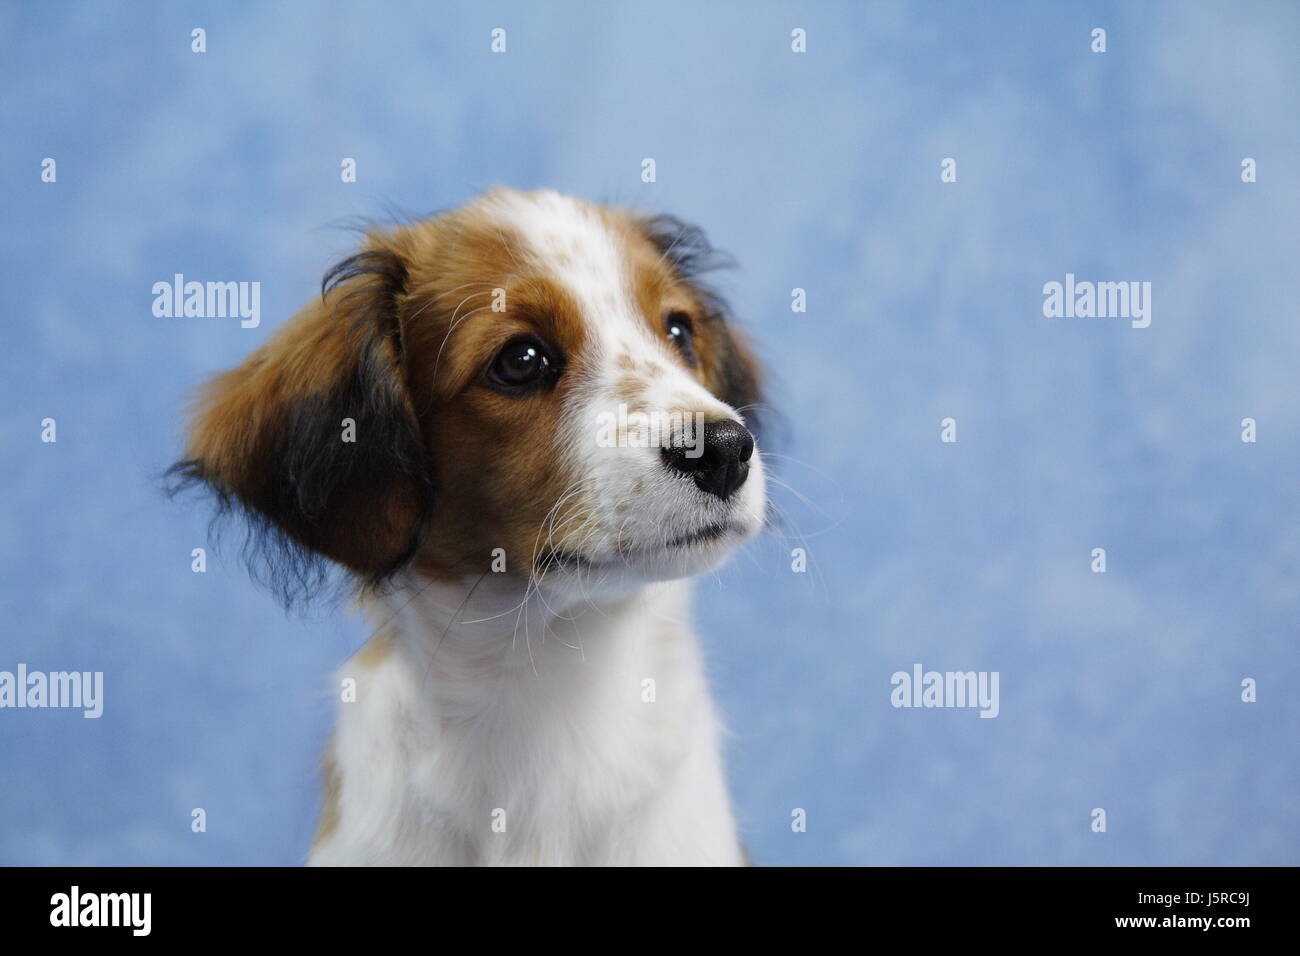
x,y
686,246
296,576
373,309
285,562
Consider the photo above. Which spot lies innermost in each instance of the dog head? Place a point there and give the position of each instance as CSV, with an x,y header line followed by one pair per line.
x,y
530,385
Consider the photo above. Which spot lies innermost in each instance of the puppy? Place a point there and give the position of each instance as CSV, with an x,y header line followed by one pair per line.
x,y
520,427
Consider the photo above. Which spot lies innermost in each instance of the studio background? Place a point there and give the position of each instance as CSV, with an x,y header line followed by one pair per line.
x,y
819,171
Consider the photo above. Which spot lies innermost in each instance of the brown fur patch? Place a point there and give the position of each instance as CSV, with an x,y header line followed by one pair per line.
x,y
375,651
630,390
328,821
494,456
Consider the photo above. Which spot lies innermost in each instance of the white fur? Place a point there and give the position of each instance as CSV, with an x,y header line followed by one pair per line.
x,y
546,721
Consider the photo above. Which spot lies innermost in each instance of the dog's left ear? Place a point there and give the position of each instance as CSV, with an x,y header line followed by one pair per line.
x,y
315,435
731,371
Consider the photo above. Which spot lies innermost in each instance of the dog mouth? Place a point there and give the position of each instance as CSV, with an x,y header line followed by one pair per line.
x,y
708,533
627,554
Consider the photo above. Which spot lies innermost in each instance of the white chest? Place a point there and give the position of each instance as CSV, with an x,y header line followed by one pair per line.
x,y
588,739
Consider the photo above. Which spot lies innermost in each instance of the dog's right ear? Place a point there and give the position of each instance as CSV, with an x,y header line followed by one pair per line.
x,y
315,434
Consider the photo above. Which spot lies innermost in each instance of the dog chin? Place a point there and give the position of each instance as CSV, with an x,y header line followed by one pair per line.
x,y
620,574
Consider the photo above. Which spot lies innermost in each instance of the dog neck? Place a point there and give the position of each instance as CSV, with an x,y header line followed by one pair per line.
x,y
499,615
480,704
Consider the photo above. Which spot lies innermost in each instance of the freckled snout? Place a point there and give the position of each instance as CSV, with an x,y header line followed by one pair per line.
x,y
721,462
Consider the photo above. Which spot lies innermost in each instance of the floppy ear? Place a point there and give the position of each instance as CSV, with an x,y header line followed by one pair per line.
x,y
732,373
315,435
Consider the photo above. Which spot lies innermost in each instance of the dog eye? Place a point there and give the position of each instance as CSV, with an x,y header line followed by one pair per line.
x,y
681,333
522,365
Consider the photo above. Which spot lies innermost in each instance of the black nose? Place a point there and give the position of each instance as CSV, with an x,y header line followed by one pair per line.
x,y
721,462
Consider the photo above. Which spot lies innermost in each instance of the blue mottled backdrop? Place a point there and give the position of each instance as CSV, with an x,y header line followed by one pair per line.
x,y
819,171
